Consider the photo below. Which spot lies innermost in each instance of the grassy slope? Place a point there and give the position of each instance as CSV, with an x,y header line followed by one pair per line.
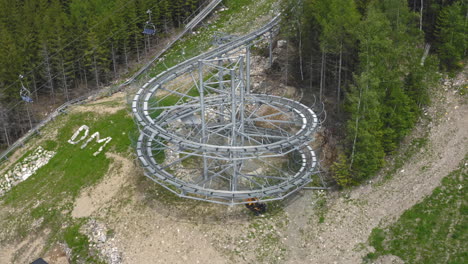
x,y
47,197
433,231
237,20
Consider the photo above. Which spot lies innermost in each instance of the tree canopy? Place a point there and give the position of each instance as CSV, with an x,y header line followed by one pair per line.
x,y
375,54
65,48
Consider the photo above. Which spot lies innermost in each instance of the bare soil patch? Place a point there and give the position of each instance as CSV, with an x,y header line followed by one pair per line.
x,y
97,196
107,105
56,256
25,251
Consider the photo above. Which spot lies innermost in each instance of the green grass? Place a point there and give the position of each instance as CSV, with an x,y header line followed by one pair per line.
x,y
434,230
159,155
79,244
321,208
171,99
192,161
228,21
73,168
50,145
109,103
49,194
462,90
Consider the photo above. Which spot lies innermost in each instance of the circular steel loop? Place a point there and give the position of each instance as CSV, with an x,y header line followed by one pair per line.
x,y
166,176
309,124
227,145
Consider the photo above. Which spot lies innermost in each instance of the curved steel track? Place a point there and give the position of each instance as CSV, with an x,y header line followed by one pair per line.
x,y
205,136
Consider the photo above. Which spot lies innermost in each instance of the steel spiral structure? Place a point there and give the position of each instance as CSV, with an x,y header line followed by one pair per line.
x,y
205,136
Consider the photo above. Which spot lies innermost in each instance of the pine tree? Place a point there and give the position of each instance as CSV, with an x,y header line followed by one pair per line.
x,y
327,33
166,14
341,172
451,31
365,126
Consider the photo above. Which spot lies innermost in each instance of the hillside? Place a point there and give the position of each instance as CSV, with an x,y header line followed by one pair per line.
x,y
74,203
124,214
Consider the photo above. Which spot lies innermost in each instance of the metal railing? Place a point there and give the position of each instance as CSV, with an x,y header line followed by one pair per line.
x,y
208,9
212,5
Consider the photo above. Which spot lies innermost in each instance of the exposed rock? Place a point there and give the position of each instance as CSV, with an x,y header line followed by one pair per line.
x,y
282,43
25,169
99,241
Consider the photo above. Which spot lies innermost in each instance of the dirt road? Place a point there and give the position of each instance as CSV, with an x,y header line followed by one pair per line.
x,y
352,216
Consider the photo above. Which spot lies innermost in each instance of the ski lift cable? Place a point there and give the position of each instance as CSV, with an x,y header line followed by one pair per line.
x,y
69,43
79,59
75,60
25,94
37,89
149,28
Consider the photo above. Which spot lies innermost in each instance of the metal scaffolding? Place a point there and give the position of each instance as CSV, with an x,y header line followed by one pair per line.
x,y
206,136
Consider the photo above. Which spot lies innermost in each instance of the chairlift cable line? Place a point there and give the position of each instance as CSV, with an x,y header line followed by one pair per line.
x,y
37,89
69,43
75,60
59,74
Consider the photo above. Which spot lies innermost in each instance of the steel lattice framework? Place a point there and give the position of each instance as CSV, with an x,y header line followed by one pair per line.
x,y
205,136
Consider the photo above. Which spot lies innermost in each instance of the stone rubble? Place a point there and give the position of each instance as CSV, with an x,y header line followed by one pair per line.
x,y
101,241
25,169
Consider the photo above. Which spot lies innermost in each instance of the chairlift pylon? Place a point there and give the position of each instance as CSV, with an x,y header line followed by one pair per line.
x,y
25,94
150,28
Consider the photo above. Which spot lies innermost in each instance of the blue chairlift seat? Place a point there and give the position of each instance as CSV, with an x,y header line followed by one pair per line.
x,y
25,94
149,29
26,98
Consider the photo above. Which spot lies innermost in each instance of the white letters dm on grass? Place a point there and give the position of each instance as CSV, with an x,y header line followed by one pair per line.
x,y
96,136
40,157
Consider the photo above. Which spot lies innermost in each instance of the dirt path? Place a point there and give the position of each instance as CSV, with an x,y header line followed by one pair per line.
x,y
349,220
156,238
107,105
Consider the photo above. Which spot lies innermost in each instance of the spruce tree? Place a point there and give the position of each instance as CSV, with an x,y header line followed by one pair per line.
x,y
451,31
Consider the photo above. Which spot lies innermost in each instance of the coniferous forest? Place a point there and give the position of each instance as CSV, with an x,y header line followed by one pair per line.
x,y
64,48
371,62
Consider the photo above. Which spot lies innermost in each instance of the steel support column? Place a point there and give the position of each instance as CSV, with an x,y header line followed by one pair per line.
x,y
201,91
